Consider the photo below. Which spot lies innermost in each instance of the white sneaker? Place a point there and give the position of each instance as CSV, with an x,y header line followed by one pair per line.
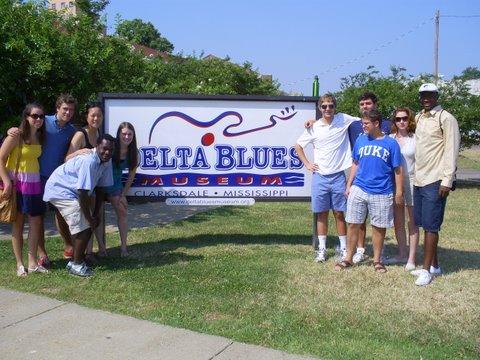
x,y
321,255
343,254
359,256
435,271
424,278
410,267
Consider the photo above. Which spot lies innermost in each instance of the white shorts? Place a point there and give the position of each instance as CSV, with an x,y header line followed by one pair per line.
x,y
378,206
72,214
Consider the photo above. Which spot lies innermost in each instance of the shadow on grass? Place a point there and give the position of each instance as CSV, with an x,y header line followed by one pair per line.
x,y
169,251
450,260
468,184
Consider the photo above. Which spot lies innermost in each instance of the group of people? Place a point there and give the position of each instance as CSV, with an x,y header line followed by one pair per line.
x,y
47,160
408,163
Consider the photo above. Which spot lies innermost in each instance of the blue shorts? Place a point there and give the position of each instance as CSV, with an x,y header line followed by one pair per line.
x,y
328,192
429,207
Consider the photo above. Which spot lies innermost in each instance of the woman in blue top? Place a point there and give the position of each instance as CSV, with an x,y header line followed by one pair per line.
x,y
125,156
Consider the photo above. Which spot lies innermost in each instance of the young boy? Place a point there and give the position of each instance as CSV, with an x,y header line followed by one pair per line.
x,y
376,158
329,137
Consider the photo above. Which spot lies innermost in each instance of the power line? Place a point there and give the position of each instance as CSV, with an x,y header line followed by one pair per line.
x,y
460,16
388,43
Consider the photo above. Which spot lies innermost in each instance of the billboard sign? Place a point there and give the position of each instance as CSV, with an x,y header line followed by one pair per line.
x,y
211,147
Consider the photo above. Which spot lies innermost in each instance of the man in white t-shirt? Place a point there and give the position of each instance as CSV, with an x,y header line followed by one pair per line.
x,y
329,137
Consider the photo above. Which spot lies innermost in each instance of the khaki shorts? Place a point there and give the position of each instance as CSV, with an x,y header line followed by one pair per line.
x,y
72,214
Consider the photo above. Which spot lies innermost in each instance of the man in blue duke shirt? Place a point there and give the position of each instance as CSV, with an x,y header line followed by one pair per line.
x,y
367,102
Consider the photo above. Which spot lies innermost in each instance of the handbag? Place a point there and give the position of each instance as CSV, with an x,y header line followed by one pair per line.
x,y
8,208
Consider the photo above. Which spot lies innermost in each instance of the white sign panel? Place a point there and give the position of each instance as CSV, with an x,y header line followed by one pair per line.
x,y
215,146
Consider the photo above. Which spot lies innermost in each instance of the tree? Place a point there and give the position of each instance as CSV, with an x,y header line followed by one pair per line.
x,y
92,8
137,31
191,75
470,73
43,55
399,89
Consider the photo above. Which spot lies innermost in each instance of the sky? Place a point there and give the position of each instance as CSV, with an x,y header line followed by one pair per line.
x,y
294,40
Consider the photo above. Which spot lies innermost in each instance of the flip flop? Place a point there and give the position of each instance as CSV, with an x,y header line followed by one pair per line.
x,y
21,271
379,267
38,269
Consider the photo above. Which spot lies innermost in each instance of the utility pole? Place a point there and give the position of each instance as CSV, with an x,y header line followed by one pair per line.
x,y
435,62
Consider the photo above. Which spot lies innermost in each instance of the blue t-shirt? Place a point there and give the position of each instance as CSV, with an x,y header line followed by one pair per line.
x,y
57,141
376,159
356,129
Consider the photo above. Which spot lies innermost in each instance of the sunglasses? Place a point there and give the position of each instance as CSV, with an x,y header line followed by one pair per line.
x,y
401,118
37,116
92,104
329,106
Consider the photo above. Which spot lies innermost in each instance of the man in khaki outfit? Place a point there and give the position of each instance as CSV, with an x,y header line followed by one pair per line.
x,y
436,154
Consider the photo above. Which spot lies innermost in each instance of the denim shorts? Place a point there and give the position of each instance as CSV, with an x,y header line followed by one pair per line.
x,y
328,192
429,207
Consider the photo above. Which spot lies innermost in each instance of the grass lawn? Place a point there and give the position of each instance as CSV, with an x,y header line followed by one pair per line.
x,y
247,273
469,158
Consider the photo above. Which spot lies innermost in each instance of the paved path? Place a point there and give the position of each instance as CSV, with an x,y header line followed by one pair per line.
x,y
40,328
139,216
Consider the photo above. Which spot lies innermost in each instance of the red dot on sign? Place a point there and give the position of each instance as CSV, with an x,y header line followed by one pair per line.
x,y
208,139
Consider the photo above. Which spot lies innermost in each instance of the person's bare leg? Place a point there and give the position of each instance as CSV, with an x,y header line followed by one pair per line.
x,y
64,231
378,237
340,223
42,251
17,239
413,236
400,232
362,234
430,250
100,233
35,226
80,244
122,222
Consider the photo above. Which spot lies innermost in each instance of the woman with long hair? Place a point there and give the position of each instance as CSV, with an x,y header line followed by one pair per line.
x,y
403,131
25,150
125,156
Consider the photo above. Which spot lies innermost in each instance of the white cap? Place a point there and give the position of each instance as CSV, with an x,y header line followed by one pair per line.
x,y
428,88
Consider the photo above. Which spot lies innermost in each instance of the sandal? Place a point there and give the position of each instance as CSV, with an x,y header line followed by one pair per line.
x,y
343,265
38,269
21,271
379,267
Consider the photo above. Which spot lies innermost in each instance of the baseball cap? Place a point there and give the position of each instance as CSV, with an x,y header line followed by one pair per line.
x,y
428,88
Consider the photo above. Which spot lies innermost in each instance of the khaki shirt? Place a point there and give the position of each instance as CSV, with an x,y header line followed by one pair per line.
x,y
437,147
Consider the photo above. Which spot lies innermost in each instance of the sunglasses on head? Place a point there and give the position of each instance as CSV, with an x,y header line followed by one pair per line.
x,y
37,116
401,118
329,106
92,104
